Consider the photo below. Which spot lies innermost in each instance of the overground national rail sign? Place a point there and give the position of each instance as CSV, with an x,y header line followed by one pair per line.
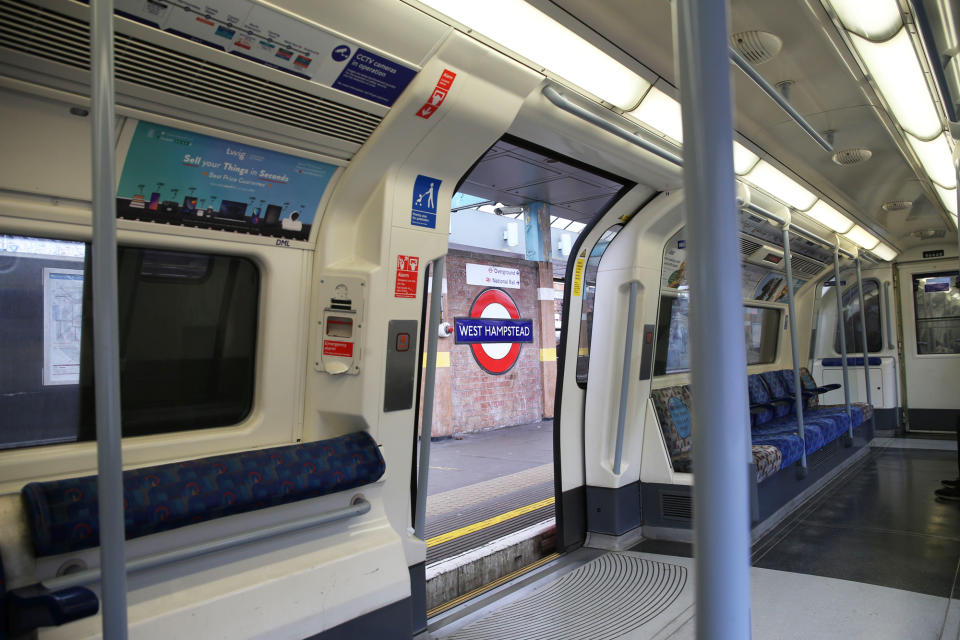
x,y
494,331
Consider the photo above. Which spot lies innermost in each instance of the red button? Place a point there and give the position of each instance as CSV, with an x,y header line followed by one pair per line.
x,y
649,337
403,342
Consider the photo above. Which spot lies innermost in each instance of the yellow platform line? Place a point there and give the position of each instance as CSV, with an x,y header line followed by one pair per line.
x,y
489,522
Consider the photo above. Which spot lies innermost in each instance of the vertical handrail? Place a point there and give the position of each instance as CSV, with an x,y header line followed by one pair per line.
x,y
113,584
625,376
429,382
886,313
843,333
721,497
863,331
792,310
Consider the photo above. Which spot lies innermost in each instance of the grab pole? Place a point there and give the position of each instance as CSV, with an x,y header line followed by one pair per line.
x,y
429,382
113,583
863,332
721,497
792,311
625,376
843,333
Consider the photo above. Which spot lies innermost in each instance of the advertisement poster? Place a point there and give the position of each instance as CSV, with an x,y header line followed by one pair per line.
x,y
189,179
62,319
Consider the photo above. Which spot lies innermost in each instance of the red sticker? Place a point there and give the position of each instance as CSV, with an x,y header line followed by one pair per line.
x,y
338,348
439,94
408,268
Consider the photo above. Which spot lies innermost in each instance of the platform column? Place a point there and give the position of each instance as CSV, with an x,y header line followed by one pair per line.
x,y
721,501
539,213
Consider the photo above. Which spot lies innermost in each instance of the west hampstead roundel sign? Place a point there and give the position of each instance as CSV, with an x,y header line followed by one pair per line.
x,y
494,330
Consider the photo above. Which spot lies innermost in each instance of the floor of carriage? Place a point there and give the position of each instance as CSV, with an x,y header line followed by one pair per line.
x,y
871,555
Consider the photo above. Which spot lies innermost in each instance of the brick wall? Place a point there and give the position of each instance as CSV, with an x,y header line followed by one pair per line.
x,y
481,400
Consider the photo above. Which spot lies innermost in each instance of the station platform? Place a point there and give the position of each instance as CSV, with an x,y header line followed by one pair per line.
x,y
490,507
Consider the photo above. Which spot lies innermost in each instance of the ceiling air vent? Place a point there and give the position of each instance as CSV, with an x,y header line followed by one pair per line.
x,y
896,205
674,506
804,265
756,46
847,157
52,36
928,234
748,247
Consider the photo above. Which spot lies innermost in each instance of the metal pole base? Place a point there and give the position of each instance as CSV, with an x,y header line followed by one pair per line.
x,y
802,472
848,441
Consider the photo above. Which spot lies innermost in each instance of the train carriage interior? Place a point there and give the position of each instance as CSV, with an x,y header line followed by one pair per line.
x,y
221,227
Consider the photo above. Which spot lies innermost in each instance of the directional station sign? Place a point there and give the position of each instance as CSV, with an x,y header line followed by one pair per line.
x,y
494,331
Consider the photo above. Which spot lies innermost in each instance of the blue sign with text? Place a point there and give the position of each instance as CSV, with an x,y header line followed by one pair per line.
x,y
423,208
487,330
373,77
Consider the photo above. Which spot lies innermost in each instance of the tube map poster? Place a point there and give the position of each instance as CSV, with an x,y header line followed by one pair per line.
x,y
188,179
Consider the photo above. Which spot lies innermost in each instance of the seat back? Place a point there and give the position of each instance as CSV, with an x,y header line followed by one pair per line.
x,y
672,405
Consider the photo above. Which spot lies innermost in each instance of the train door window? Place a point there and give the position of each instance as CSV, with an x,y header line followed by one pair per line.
x,y
589,296
851,318
187,331
936,298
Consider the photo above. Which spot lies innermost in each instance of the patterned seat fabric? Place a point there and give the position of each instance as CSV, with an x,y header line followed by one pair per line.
x,y
63,514
672,405
767,458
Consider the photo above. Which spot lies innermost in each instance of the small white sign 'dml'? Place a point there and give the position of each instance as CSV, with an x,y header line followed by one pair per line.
x,y
485,275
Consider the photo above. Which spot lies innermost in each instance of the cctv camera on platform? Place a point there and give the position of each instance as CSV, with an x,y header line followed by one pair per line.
x,y
508,211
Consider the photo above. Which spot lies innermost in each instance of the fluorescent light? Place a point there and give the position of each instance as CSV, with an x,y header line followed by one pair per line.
x,y
660,112
948,197
873,19
937,159
861,237
518,26
784,189
829,217
743,159
894,66
884,252
576,227
559,223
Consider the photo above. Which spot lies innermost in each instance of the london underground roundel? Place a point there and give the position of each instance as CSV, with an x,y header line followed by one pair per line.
x,y
494,331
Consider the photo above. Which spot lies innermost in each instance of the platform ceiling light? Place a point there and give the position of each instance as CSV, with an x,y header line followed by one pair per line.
x,y
829,217
559,223
743,159
874,19
884,252
518,26
784,189
576,227
895,68
861,237
936,157
661,113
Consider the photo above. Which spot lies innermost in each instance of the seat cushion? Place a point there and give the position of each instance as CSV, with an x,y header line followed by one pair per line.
x,y
63,514
767,459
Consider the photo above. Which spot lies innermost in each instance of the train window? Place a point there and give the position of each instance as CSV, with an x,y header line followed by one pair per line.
x,y
187,330
936,298
589,296
851,318
761,327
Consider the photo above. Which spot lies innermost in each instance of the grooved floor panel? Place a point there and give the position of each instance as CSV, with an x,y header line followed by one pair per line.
x,y
615,594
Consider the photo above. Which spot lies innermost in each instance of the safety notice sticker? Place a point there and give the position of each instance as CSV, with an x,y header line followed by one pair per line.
x,y
408,268
578,276
438,96
338,348
423,210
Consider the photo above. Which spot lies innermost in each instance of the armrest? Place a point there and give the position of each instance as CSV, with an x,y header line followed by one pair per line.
x,y
36,606
828,387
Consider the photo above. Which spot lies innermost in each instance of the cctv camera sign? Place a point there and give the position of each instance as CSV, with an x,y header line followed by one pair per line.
x,y
485,275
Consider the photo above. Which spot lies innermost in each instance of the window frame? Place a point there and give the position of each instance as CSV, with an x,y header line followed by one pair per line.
x,y
276,417
852,290
585,326
916,318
